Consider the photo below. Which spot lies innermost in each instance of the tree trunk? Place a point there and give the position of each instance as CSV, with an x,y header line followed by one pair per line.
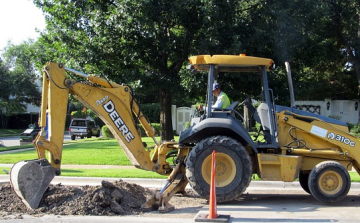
x,y
167,133
4,121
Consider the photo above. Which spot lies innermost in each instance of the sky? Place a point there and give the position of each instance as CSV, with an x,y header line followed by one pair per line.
x,y
18,21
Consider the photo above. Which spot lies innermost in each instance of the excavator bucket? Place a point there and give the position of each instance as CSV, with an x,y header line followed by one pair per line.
x,y
30,179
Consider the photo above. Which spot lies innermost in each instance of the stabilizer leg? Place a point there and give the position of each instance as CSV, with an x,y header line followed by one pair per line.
x,y
176,182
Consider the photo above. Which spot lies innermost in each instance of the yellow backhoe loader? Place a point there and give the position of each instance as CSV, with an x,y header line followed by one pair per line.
x,y
295,143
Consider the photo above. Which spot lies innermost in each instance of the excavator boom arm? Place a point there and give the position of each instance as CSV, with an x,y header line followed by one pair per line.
x,y
114,105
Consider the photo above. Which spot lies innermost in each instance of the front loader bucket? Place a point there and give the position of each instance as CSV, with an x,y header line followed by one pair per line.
x,y
30,179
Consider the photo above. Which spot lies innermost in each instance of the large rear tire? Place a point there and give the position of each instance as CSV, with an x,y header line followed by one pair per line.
x,y
233,168
329,182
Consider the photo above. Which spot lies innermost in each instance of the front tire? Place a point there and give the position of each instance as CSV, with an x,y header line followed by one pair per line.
x,y
233,168
329,182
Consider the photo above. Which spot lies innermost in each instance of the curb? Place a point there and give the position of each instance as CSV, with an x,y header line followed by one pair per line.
x,y
159,183
82,166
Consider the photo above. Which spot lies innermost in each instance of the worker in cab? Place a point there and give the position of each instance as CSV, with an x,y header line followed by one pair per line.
x,y
222,101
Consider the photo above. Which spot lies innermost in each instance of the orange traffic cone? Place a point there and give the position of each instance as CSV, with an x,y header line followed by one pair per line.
x,y
212,203
212,216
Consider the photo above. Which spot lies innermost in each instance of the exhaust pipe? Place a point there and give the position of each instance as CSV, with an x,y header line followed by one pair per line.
x,y
291,88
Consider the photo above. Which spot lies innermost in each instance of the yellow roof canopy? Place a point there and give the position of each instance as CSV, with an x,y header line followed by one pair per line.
x,y
230,63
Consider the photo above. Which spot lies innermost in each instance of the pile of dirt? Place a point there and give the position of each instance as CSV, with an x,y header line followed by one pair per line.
x,y
111,198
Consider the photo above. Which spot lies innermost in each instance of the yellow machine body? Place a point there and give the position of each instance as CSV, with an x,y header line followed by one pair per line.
x,y
317,151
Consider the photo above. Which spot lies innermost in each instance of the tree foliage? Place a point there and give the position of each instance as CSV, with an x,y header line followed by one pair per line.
x,y
146,43
18,78
304,33
344,22
143,43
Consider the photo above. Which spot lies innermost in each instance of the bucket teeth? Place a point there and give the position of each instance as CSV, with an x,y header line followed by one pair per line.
x,y
30,179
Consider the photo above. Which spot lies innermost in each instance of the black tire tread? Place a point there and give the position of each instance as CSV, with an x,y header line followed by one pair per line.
x,y
247,168
318,170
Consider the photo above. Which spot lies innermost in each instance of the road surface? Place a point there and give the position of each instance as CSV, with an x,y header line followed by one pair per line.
x,y
15,140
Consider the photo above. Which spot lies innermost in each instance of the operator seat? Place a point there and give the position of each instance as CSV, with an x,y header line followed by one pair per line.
x,y
231,110
233,105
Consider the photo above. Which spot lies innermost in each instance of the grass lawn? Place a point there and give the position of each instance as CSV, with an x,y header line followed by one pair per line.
x,y
96,151
15,147
91,151
84,152
10,132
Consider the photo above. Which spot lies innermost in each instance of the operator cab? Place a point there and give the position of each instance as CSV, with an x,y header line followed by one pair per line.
x,y
212,121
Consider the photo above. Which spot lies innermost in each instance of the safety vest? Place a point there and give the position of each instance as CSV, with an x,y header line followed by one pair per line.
x,y
225,100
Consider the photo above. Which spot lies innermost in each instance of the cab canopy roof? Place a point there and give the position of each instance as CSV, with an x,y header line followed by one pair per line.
x,y
230,63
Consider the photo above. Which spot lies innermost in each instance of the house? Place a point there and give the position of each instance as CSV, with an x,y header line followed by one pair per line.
x,y
344,110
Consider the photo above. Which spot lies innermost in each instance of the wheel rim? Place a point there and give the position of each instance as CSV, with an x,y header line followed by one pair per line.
x,y
330,182
225,169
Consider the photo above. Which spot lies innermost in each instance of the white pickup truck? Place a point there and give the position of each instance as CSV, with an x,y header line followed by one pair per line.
x,y
83,128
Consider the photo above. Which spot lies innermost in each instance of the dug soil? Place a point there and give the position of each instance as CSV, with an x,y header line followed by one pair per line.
x,y
111,198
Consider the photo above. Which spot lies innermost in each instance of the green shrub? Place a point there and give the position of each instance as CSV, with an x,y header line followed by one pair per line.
x,y
257,126
156,127
354,128
151,112
78,114
187,125
106,132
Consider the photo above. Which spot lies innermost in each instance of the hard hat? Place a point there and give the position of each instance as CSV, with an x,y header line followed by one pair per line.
x,y
216,86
